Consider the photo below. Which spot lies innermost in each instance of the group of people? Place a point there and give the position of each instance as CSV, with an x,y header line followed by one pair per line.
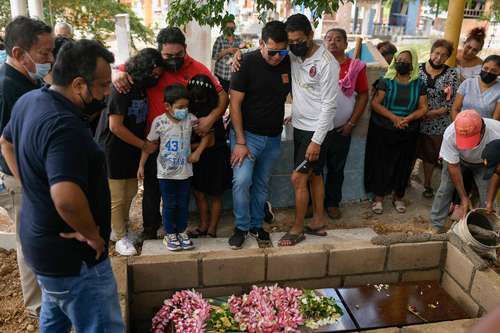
x,y
159,118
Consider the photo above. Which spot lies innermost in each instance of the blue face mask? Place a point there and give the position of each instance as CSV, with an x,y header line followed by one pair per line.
x,y
41,70
3,56
180,114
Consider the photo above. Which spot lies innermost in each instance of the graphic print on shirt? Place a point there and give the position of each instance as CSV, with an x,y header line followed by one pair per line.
x,y
138,109
174,155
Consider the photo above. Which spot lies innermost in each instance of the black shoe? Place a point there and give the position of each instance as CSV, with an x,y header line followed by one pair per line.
x,y
237,239
261,236
268,212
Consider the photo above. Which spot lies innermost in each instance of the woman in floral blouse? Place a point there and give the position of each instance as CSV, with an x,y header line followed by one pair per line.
x,y
442,83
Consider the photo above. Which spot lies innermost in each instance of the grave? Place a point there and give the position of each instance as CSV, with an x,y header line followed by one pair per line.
x,y
346,265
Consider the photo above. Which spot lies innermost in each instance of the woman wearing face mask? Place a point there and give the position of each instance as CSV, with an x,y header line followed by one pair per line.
x,y
442,84
481,93
468,63
121,133
398,104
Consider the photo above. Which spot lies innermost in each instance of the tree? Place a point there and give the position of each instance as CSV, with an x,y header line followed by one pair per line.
x,y
212,12
93,19
438,5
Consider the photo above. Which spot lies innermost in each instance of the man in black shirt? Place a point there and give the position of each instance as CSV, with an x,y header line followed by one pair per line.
x,y
29,44
65,219
258,93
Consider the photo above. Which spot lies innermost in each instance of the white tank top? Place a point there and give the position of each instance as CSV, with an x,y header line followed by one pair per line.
x,y
470,72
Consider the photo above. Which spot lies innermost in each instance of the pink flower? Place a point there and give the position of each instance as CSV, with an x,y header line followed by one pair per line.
x,y
268,310
186,309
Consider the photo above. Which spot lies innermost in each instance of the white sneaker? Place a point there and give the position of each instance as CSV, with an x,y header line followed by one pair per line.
x,y
186,242
135,237
125,247
112,237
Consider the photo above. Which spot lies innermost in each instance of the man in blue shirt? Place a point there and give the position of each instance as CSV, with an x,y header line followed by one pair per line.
x,y
65,216
29,44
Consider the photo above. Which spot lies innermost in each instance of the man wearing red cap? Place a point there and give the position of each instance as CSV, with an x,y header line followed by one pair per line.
x,y
463,144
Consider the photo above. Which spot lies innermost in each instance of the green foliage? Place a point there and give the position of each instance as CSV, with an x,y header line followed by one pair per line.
x,y
212,12
4,13
438,6
317,307
94,19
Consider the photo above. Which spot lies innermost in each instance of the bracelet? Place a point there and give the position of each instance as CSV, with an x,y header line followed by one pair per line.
x,y
351,123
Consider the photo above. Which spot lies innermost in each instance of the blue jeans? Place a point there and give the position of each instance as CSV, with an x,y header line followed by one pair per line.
x,y
336,158
175,195
251,179
88,302
444,194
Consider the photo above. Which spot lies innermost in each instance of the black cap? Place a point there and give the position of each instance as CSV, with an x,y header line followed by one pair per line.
x,y
491,157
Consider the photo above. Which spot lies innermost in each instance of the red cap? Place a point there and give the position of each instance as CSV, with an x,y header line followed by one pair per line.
x,y
468,125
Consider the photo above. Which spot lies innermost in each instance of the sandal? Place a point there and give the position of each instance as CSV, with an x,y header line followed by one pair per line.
x,y
316,232
428,192
400,206
377,207
195,233
292,238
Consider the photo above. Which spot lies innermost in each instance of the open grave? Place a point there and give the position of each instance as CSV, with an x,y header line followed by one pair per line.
x,y
373,278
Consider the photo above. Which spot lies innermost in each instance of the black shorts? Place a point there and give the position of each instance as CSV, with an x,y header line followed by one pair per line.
x,y
301,140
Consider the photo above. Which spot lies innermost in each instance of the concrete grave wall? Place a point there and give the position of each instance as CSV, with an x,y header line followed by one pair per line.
x,y
144,282
154,278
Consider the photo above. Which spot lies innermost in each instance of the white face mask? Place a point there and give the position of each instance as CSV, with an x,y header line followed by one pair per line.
x,y
41,70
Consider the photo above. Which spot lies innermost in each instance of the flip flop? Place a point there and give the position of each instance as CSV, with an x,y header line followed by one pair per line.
x,y
292,238
377,207
400,206
195,233
315,232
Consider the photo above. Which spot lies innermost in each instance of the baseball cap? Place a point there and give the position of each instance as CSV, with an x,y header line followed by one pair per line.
x,y
468,124
491,157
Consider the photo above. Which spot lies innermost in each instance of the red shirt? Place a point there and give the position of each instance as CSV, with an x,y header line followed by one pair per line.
x,y
361,82
189,69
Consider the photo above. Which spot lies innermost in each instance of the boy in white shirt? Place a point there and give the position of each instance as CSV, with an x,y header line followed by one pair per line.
x,y
173,129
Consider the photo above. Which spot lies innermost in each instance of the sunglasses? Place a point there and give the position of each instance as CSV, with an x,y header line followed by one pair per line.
x,y
272,53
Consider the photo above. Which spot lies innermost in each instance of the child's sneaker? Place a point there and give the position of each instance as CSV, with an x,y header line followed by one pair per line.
x,y
172,242
186,242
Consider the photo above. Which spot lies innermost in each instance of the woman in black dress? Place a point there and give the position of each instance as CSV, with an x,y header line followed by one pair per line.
x,y
212,174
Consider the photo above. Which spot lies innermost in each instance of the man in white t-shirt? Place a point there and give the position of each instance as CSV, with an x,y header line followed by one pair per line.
x,y
315,77
463,143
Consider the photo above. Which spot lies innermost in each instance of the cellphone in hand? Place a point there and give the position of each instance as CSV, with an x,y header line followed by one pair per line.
x,y
302,166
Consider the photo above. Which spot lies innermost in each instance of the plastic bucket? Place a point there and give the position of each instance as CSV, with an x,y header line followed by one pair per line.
x,y
480,218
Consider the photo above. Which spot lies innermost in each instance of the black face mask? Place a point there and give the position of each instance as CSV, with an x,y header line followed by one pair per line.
x,y
229,31
173,64
487,77
299,49
94,106
403,68
433,65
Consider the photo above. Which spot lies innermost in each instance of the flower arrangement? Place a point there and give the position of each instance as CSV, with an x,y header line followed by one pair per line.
x,y
268,309
221,319
186,309
318,310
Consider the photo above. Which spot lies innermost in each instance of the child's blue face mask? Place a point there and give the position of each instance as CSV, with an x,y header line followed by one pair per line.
x,y
3,56
180,114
